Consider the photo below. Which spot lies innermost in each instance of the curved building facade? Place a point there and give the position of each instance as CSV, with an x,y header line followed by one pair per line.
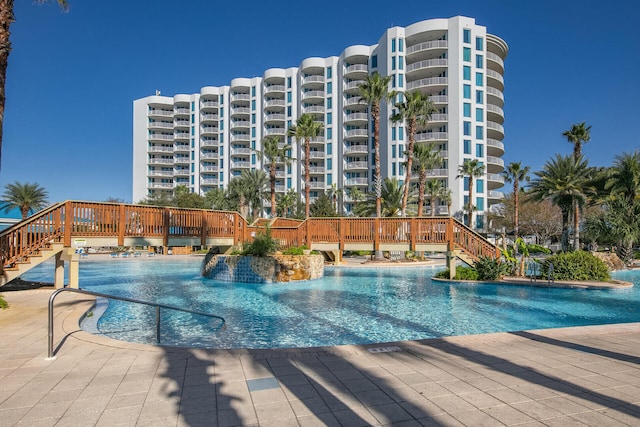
x,y
204,140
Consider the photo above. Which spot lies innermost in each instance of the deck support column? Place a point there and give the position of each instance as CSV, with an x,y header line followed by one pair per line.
x,y
58,279
73,261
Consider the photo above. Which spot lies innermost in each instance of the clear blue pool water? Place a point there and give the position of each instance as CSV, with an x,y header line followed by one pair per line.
x,y
347,306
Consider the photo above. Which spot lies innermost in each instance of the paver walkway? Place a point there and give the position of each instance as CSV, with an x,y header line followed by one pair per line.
x,y
561,377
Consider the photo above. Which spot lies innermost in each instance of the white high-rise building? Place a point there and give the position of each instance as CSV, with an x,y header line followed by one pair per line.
x,y
204,140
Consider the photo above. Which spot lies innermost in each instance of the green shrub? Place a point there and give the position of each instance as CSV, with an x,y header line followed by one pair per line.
x,y
462,273
263,244
537,249
295,250
578,265
3,303
489,268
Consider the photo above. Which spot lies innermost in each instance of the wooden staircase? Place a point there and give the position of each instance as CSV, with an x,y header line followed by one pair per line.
x,y
28,262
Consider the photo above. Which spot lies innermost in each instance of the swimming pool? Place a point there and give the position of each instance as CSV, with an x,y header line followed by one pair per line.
x,y
347,306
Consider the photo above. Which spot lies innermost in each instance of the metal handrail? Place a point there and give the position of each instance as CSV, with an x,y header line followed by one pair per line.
x,y
98,294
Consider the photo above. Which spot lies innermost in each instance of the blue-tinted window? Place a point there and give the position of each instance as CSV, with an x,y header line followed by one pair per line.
x,y
467,128
253,132
466,91
466,107
329,118
253,118
393,45
479,132
393,62
289,96
393,134
400,63
329,103
465,185
329,179
329,72
329,135
374,61
193,105
466,54
288,182
479,150
479,44
467,146
329,87
329,164
289,111
479,61
479,97
479,79
466,72
401,134
400,45
288,82
253,104
393,80
400,80
479,114
253,159
393,168
253,91
466,36
329,148
221,126
480,204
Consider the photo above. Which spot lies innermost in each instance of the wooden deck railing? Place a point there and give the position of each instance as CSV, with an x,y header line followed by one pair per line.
x,y
63,221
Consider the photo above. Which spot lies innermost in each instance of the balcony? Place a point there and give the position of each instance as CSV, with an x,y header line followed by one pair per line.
x,y
240,124
312,94
495,147
182,160
209,181
239,111
434,84
243,137
356,166
356,69
495,195
241,151
353,87
209,155
355,100
356,181
495,79
276,131
313,79
156,112
494,180
182,123
160,173
240,97
181,147
364,149
275,103
181,135
160,137
357,133
161,125
182,111
274,117
166,185
494,164
210,130
432,136
495,110
317,155
439,117
437,173
181,172
313,109
357,118
160,149
316,169
428,65
274,89
210,104
439,99
209,143
210,117
495,130
240,165
494,62
160,161
427,46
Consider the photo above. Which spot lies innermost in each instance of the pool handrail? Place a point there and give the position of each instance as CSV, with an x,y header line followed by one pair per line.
x,y
158,306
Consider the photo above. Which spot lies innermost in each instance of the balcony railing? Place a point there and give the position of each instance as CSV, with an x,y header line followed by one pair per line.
x,y
433,44
313,79
159,112
357,117
275,103
431,136
210,104
356,149
312,94
241,97
356,132
429,81
276,131
354,68
356,181
428,63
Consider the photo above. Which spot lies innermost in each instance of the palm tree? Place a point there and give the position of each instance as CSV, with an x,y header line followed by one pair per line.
x,y
415,110
624,176
426,159
26,197
237,194
335,193
392,195
434,189
255,182
564,181
286,202
305,129
516,173
355,194
6,19
374,90
471,169
578,135
274,153
447,197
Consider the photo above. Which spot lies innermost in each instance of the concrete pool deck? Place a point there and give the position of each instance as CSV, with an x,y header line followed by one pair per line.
x,y
557,377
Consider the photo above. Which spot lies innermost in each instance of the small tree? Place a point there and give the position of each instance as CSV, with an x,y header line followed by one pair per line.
x,y
26,197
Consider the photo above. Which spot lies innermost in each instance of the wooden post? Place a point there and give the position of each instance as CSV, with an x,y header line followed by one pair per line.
x,y
122,224
203,229
68,223
413,234
376,234
341,233
166,225
307,222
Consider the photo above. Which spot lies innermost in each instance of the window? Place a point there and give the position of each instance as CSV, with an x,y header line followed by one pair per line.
x,y
467,128
480,203
329,72
479,61
400,45
400,63
253,132
393,80
329,135
393,62
479,114
253,91
393,169
393,151
374,61
467,146
400,80
466,91
393,45
253,118
466,54
329,148
288,82
329,118
401,134
329,179
467,109
193,105
479,79
288,182
479,97
466,72
393,134
289,96
466,35
329,87
253,159
465,187
479,151
479,44
289,111
329,103
479,132
329,165
253,104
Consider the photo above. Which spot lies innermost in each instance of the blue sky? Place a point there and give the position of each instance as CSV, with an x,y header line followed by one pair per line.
x,y
73,76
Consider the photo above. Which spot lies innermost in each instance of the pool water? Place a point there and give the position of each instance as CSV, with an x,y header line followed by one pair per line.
x,y
347,306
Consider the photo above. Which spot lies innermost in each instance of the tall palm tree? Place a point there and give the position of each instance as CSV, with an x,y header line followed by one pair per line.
x,y
516,174
7,17
426,159
415,110
374,90
255,182
624,176
335,193
434,189
447,197
471,169
579,134
286,202
26,197
305,129
274,152
237,194
564,180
